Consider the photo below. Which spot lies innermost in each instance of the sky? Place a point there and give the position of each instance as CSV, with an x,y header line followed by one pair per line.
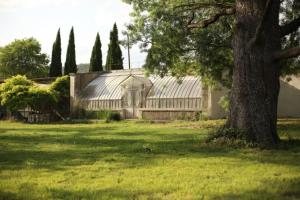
x,y
42,18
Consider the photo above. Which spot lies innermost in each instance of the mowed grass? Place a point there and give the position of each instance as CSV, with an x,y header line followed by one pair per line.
x,y
135,160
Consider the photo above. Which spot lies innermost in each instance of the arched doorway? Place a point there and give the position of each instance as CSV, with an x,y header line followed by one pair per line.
x,y
134,91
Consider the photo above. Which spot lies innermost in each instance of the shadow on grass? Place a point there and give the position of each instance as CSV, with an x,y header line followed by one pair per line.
x,y
8,196
84,145
110,193
286,190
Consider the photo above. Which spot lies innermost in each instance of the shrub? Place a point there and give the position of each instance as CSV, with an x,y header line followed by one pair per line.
x,y
18,93
201,116
106,115
60,89
112,116
229,137
40,99
228,133
14,92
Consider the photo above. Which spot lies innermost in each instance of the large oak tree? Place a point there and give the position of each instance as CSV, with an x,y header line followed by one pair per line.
x,y
241,43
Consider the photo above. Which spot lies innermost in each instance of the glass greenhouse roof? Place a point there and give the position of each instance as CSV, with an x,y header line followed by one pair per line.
x,y
109,86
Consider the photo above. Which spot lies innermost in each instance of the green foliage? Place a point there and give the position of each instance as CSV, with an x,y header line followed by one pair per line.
x,y
112,116
18,93
40,99
134,160
23,57
107,115
70,64
223,132
201,116
96,58
229,137
14,92
224,102
60,89
114,59
162,27
173,47
56,65
290,10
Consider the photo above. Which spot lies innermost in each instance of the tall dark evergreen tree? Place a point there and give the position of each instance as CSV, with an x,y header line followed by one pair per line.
x,y
56,65
96,57
114,60
70,65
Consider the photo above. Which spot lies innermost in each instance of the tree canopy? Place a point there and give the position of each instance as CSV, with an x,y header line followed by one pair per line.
x,y
289,12
114,59
181,36
96,57
23,57
56,65
70,64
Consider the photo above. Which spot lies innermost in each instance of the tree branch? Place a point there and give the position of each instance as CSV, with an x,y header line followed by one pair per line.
x,y
196,6
290,27
213,19
288,53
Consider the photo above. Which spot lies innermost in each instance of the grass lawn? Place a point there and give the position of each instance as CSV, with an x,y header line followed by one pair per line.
x,y
135,160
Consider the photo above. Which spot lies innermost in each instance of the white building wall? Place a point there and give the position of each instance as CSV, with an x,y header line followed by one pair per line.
x,y
288,101
289,98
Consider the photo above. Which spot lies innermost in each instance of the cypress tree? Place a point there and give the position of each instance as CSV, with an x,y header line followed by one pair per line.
x,y
96,57
70,65
56,65
114,58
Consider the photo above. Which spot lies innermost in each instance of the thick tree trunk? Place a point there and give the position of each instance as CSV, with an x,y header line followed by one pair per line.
x,y
256,86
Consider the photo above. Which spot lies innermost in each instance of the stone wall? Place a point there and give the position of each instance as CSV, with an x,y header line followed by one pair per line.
x,y
77,83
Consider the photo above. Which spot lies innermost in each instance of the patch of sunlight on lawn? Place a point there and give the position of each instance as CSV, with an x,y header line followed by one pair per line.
x,y
135,160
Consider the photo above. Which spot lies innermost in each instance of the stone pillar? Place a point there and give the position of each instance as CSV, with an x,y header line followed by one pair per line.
x,y
77,83
73,92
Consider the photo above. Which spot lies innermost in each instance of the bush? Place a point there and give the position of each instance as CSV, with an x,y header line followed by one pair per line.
x,y
40,99
18,93
229,137
201,116
14,92
106,115
60,89
112,116
228,133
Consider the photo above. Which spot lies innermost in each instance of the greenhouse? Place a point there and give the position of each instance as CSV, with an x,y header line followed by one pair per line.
x,y
134,95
